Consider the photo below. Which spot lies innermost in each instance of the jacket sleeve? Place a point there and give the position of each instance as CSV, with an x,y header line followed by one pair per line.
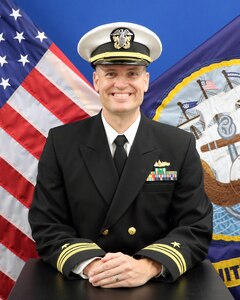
x,y
50,218
187,242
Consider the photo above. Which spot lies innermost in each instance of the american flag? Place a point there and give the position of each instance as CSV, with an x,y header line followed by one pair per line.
x,y
39,89
208,85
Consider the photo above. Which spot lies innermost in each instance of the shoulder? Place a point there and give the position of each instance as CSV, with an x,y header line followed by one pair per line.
x,y
74,128
72,135
167,131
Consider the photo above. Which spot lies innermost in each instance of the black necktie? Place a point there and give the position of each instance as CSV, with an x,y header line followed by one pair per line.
x,y
120,154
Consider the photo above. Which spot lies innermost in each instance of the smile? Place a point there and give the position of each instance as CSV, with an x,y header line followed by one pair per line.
x,y
121,95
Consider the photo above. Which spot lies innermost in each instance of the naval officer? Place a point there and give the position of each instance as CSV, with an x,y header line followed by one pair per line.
x,y
119,198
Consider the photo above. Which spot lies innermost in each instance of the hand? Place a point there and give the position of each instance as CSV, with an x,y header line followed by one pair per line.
x,y
93,264
120,270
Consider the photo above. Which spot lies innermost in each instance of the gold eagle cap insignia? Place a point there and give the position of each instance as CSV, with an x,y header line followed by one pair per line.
x,y
122,38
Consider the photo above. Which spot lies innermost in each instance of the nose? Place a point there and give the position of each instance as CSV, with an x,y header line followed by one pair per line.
x,y
121,82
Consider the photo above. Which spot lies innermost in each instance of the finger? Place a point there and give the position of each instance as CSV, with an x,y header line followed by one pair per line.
x,y
105,275
111,266
110,256
113,281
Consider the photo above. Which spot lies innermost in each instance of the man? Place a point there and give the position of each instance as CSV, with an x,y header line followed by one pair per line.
x,y
120,212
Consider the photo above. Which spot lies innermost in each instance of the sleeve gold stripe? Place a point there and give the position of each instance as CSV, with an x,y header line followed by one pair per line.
x,y
180,268
120,54
171,252
71,250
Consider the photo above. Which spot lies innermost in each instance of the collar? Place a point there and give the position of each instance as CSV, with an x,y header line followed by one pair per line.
x,y
130,134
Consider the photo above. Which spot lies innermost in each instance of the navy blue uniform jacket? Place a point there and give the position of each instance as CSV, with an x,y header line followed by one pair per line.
x,y
81,209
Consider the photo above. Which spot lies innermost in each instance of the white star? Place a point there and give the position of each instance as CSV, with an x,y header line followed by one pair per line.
x,y
19,37
5,83
24,59
65,246
41,36
176,244
1,37
15,14
3,60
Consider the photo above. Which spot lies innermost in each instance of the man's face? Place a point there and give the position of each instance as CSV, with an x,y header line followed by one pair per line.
x,y
121,87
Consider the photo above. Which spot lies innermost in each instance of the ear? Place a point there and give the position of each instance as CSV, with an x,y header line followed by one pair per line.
x,y
146,81
95,81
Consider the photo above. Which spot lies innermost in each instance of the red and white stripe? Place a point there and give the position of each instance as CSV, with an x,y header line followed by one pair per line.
x,y
54,93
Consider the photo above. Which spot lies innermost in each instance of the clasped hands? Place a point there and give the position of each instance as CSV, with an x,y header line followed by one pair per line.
x,y
116,270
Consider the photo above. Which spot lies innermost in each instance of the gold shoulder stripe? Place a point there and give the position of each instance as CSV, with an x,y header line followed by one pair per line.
x,y
171,252
71,250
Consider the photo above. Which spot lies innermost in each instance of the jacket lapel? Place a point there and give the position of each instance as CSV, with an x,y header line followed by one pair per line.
x,y
98,159
143,154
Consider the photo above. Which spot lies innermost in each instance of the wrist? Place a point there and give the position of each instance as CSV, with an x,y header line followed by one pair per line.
x,y
90,265
154,267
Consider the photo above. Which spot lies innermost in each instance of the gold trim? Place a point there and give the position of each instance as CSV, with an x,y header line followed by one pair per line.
x,y
226,267
120,55
188,80
71,250
227,238
117,59
175,255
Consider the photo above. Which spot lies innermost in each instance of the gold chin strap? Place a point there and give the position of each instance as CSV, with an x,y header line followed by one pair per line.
x,y
131,56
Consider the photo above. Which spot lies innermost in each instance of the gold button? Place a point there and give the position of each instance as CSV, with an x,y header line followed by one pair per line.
x,y
105,232
132,230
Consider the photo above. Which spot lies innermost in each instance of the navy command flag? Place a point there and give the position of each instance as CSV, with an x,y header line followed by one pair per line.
x,y
201,94
39,89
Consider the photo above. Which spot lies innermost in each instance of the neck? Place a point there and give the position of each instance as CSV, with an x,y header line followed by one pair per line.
x,y
120,122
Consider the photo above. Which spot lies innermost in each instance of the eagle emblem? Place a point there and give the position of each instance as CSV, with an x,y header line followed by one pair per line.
x,y
122,38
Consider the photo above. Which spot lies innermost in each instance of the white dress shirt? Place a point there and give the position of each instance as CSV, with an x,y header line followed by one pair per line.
x,y
129,134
